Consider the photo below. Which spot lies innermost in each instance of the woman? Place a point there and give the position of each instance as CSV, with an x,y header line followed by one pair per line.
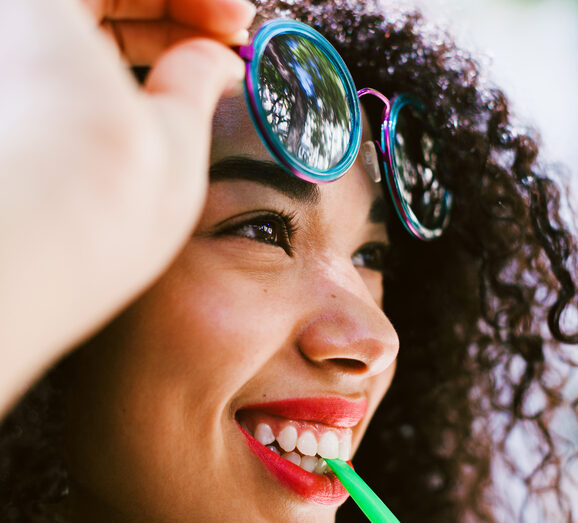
x,y
268,325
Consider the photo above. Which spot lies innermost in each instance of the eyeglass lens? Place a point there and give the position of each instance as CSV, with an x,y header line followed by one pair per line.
x,y
304,101
416,160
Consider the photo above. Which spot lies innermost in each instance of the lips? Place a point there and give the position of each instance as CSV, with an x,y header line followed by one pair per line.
x,y
333,414
337,412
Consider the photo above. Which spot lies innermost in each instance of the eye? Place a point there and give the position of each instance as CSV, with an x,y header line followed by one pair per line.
x,y
371,256
271,228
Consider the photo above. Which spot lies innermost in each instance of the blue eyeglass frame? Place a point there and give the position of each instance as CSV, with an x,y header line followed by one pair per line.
x,y
386,147
252,55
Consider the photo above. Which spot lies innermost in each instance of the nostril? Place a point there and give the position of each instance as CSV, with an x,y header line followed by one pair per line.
x,y
349,364
357,338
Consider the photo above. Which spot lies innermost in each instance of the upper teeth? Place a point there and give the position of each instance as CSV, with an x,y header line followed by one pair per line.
x,y
287,438
328,445
264,434
307,444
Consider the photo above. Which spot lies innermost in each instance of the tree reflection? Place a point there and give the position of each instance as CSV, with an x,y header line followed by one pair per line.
x,y
304,100
416,161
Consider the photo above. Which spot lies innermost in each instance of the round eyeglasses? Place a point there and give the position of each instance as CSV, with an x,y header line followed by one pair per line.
x,y
306,109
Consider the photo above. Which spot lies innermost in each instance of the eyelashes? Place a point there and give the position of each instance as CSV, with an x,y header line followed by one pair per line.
x,y
372,256
277,229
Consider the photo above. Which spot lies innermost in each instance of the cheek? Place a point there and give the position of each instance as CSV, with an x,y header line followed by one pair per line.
x,y
374,282
377,390
382,383
207,322
158,383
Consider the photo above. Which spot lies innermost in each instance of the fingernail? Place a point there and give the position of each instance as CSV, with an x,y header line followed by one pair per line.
x,y
250,10
241,37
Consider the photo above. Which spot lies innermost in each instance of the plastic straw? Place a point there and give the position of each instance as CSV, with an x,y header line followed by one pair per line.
x,y
366,499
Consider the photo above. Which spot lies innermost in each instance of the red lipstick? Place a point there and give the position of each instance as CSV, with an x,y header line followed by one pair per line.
x,y
324,489
337,412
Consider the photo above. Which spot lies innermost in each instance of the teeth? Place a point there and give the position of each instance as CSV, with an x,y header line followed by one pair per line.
x,y
345,448
309,463
306,449
264,434
322,467
293,457
287,438
329,445
307,443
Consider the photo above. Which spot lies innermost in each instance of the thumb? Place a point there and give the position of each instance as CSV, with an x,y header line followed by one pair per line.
x,y
195,74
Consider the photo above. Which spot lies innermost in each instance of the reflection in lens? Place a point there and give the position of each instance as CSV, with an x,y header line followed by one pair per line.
x,y
417,162
304,101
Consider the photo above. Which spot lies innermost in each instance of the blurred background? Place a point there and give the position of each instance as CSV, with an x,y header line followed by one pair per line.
x,y
531,47
531,50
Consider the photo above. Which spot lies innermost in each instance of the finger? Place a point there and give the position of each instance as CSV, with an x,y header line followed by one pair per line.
x,y
178,71
211,16
95,7
214,16
141,43
184,87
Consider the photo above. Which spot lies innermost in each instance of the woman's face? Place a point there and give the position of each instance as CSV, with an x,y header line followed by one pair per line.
x,y
267,325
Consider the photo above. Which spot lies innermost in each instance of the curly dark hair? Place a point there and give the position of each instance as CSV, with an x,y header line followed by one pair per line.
x,y
480,312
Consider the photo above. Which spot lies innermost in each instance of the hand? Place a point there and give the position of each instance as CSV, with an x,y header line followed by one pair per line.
x,y
144,29
100,181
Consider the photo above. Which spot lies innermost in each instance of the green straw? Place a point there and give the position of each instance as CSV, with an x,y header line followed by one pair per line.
x,y
366,499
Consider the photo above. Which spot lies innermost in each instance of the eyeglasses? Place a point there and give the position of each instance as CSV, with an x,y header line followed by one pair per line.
x,y
306,109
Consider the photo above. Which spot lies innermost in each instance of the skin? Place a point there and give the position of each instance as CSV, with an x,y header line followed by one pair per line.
x,y
79,139
235,321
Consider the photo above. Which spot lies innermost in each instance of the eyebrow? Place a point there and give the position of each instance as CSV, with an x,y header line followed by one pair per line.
x,y
272,175
266,173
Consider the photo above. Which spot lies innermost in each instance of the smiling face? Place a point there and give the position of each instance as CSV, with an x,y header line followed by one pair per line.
x,y
266,330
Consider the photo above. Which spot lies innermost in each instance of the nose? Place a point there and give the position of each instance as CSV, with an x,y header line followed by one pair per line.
x,y
348,332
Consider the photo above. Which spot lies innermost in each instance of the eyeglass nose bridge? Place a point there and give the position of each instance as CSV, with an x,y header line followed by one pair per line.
x,y
384,117
369,91
293,163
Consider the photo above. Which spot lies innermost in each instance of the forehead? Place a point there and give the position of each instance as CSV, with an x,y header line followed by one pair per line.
x,y
235,137
235,134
